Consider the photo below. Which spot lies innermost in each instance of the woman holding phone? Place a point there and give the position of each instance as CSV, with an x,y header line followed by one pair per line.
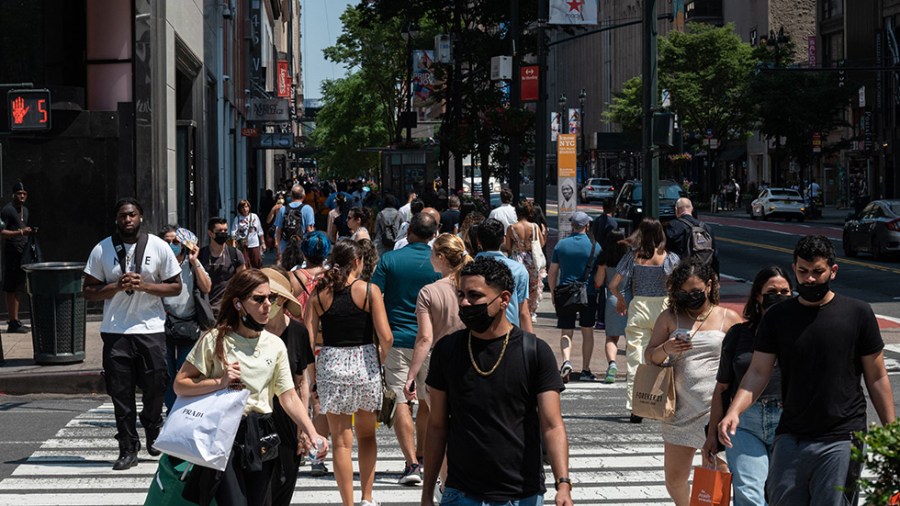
x,y
688,336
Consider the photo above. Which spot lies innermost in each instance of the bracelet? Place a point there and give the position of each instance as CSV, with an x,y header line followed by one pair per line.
x,y
564,479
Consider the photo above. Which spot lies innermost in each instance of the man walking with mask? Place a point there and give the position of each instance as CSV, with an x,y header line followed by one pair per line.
x,y
130,272
220,260
824,344
502,386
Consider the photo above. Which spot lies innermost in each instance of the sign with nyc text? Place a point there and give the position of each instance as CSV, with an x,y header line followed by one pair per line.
x,y
566,183
269,109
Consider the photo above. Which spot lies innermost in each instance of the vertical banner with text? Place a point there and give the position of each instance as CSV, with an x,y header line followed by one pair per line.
x,y
567,158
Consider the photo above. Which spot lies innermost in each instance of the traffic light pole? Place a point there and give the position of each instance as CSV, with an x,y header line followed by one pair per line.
x,y
650,101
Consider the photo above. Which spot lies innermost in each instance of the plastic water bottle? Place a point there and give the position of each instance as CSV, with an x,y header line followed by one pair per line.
x,y
314,452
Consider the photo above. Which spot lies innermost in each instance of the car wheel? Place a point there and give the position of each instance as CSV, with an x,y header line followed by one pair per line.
x,y
877,251
765,217
848,247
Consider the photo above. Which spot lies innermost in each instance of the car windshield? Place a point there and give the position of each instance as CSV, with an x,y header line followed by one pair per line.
x,y
894,206
786,194
666,191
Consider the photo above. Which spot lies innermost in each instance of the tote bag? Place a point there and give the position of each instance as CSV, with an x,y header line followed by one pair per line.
x,y
201,429
654,392
537,252
710,487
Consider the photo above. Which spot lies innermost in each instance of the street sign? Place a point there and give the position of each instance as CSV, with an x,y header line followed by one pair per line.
x,y
275,140
29,110
268,109
249,132
817,142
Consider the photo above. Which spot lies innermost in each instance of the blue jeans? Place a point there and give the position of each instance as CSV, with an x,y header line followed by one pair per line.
x,y
175,356
455,497
748,459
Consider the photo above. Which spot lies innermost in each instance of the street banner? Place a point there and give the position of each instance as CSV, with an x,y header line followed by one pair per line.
x,y
573,12
567,164
574,121
284,79
424,84
554,126
678,15
530,76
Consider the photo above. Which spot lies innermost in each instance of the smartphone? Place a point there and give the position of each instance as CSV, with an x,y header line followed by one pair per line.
x,y
683,335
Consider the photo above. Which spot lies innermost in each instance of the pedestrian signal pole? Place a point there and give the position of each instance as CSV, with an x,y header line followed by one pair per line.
x,y
650,101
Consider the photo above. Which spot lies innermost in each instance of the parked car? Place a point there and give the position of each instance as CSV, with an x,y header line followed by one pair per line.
x,y
875,230
778,203
597,188
629,202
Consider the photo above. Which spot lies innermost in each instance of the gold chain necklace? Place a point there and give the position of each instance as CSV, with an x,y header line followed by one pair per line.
x,y
502,352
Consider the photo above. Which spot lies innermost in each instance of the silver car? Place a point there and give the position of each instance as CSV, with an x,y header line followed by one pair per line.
x,y
875,230
778,203
597,188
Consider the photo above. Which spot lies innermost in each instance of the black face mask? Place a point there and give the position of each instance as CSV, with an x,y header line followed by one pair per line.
x,y
691,300
476,317
813,293
252,324
770,299
221,237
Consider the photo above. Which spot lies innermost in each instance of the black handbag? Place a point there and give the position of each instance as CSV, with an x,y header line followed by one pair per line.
x,y
182,331
572,297
203,312
385,415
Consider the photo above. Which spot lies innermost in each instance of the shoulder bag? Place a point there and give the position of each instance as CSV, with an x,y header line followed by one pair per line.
x,y
385,415
573,297
537,252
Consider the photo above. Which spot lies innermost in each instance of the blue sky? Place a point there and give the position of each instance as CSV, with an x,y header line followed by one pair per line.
x,y
321,25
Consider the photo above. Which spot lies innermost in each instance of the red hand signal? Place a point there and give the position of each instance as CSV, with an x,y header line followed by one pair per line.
x,y
19,110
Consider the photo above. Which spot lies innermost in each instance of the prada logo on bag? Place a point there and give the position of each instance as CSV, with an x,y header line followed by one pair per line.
x,y
193,413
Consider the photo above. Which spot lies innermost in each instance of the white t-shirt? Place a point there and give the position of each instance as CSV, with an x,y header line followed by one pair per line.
x,y
405,212
247,227
506,214
140,312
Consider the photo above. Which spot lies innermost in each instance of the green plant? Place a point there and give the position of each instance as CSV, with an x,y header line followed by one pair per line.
x,y
880,455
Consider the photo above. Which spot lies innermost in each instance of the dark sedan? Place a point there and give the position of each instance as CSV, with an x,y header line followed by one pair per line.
x,y
875,230
629,202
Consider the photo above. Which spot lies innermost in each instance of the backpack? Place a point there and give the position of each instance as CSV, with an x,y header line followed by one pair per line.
x,y
700,243
292,225
390,217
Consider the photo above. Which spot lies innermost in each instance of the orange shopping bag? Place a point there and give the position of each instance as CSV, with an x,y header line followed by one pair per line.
x,y
710,487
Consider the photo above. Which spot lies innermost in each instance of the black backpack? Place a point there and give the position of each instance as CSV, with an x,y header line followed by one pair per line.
x,y
390,217
292,225
700,243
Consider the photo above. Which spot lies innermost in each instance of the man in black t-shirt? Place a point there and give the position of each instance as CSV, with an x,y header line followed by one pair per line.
x,y
502,388
823,342
450,217
15,240
220,260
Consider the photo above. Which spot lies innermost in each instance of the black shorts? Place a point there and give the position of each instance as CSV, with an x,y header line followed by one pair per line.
x,y
586,318
13,275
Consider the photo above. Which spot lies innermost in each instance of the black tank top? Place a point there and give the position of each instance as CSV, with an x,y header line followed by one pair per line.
x,y
344,324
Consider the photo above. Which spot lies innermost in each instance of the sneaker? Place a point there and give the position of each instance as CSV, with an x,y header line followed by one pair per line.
x,y
565,371
587,375
599,326
152,434
127,459
318,470
533,317
412,475
611,373
438,491
17,327
373,502
635,419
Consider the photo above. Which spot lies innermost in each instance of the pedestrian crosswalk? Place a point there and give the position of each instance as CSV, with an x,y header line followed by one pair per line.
x,y
611,461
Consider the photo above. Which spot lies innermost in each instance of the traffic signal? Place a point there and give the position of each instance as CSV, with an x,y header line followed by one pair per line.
x,y
28,110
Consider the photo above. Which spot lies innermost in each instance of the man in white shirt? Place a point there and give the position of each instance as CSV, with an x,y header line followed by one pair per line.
x,y
506,213
405,210
131,272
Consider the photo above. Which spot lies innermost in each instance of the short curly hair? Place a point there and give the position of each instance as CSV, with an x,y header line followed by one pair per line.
x,y
811,247
683,272
495,273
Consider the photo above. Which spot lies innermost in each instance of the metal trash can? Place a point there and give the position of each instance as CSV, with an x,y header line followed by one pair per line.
x,y
57,311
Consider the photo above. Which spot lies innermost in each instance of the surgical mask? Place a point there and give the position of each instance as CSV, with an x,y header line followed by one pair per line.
x,y
252,324
276,310
476,317
770,299
813,293
221,237
176,248
691,300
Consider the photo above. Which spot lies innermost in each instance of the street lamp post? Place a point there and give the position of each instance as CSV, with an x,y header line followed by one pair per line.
x,y
584,154
563,122
774,41
410,31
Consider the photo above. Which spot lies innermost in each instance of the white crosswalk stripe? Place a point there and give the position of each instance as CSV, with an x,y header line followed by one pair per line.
x,y
611,461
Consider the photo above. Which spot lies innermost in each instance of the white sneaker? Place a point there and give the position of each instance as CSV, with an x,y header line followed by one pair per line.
x,y
533,317
373,502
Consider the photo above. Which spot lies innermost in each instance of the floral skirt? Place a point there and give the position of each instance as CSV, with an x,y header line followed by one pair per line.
x,y
535,279
348,379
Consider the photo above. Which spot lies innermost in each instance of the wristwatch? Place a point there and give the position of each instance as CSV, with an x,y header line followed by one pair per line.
x,y
564,479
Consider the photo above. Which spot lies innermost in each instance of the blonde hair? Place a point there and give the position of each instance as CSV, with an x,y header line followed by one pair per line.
x,y
454,250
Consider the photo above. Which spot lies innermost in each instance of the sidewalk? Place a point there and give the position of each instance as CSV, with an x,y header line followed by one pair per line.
x,y
21,375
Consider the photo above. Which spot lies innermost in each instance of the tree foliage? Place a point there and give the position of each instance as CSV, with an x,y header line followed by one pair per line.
x,y
350,119
625,109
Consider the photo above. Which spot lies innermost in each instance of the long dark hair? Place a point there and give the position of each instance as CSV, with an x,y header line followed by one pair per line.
x,y
343,255
239,287
614,247
370,258
649,238
753,310
684,271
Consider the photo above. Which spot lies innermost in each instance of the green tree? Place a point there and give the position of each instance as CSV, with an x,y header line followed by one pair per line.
x,y
626,110
350,119
708,71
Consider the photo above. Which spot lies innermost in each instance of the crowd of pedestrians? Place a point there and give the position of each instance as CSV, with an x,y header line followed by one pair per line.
x,y
438,308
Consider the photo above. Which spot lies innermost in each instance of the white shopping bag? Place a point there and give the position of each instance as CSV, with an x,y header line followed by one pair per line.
x,y
201,429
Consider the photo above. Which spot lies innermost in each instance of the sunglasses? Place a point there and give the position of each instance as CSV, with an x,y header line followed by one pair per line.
x,y
259,299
